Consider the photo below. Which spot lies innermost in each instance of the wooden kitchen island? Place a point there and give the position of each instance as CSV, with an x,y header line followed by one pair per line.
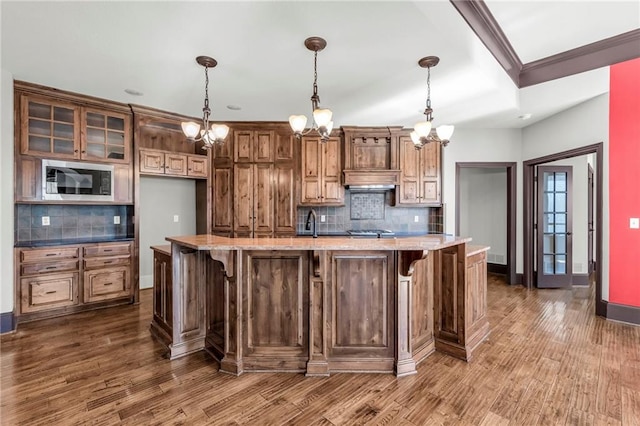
x,y
324,305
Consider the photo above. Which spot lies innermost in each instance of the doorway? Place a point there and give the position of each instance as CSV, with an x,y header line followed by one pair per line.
x,y
554,225
510,224
529,214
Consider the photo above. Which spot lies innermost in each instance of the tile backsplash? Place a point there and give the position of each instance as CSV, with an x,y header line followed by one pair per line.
x,y
373,210
71,222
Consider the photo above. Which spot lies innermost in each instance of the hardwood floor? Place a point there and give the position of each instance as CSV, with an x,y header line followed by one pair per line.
x,y
548,360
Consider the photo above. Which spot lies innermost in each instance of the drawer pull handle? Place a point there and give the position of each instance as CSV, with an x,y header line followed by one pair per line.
x,y
106,284
51,267
106,262
107,250
51,254
50,292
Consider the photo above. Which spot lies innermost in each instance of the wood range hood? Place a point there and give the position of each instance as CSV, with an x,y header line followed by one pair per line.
x,y
371,157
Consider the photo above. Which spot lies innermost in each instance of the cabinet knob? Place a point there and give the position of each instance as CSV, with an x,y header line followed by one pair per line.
x,y
84,152
76,151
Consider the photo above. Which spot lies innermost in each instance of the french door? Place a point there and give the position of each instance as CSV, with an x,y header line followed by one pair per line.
x,y
554,224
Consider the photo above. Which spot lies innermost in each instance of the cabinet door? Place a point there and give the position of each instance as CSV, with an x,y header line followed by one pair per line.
x,y
410,170
151,161
242,146
430,174
49,129
123,191
48,291
28,185
243,198
175,164
331,166
311,164
105,136
223,199
263,199
263,142
197,166
108,283
285,203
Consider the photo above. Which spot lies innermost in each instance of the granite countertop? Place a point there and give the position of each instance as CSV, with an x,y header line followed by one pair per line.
x,y
162,248
475,249
213,242
70,241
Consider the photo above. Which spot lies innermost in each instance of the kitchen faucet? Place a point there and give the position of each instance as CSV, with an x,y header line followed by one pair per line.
x,y
311,214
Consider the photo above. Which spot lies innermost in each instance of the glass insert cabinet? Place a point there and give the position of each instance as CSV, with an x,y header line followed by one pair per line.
x,y
64,130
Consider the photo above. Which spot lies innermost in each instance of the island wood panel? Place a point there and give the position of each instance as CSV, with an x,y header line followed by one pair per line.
x,y
422,308
361,311
276,307
318,307
162,291
215,303
476,321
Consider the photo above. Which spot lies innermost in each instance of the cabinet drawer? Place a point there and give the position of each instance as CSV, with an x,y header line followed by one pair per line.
x,y
39,268
37,255
49,291
106,262
107,250
103,284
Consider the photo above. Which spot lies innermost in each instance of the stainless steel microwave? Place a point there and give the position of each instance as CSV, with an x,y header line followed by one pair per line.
x,y
74,181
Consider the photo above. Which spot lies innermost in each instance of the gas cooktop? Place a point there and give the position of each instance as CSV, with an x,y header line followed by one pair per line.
x,y
370,233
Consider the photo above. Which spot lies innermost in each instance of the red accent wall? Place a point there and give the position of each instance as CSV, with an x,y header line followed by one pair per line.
x,y
624,183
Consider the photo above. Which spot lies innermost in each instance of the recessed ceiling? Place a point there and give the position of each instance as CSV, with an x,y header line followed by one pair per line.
x,y
368,74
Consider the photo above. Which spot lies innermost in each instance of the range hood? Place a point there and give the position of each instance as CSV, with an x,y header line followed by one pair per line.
x,y
370,180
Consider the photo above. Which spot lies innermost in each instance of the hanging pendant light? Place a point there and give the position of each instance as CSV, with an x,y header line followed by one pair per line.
x,y
209,135
422,132
322,122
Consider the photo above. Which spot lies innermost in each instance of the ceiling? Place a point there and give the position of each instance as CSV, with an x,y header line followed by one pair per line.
x,y
368,73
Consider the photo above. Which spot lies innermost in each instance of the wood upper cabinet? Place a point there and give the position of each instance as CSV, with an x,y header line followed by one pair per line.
x,y
174,164
371,155
57,129
253,146
321,172
420,179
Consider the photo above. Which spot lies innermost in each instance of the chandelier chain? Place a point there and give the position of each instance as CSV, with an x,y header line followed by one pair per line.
x,y
206,92
428,87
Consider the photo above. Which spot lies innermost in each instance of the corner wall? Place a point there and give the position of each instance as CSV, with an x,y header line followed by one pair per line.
x,y
6,200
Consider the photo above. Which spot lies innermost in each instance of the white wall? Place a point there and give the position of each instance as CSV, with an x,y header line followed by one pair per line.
x,y
160,199
584,124
483,209
6,192
482,145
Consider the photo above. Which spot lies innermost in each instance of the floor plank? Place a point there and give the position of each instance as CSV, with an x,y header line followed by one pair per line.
x,y
548,360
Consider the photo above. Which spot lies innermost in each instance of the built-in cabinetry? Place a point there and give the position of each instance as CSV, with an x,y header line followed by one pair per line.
x,y
158,162
55,124
322,172
420,180
57,280
371,155
254,182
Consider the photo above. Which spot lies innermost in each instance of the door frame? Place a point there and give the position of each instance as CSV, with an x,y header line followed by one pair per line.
x,y
511,209
529,213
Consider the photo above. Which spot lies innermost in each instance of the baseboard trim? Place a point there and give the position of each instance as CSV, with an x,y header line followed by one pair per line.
x,y
519,279
497,268
580,279
7,322
623,313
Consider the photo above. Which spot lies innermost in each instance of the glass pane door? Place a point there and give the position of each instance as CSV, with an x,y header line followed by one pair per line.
x,y
554,227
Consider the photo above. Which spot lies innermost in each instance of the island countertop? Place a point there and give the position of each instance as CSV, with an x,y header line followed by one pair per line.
x,y
214,242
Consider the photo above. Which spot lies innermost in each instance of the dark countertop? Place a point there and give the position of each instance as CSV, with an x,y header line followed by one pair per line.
x,y
70,241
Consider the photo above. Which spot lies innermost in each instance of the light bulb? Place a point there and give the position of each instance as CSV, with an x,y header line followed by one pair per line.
x,y
322,116
190,129
415,139
445,131
422,129
298,123
220,131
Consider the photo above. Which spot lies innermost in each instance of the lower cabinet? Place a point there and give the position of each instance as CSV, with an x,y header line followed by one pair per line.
x,y
58,280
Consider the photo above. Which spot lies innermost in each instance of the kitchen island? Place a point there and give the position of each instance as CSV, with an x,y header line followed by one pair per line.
x,y
323,305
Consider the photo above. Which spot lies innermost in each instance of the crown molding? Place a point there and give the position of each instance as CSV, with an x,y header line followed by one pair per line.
x,y
603,53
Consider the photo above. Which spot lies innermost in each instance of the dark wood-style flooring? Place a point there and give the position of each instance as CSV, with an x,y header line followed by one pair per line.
x,y
548,360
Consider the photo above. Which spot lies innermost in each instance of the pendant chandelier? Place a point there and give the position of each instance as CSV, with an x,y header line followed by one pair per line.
x,y
321,116
209,134
422,132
